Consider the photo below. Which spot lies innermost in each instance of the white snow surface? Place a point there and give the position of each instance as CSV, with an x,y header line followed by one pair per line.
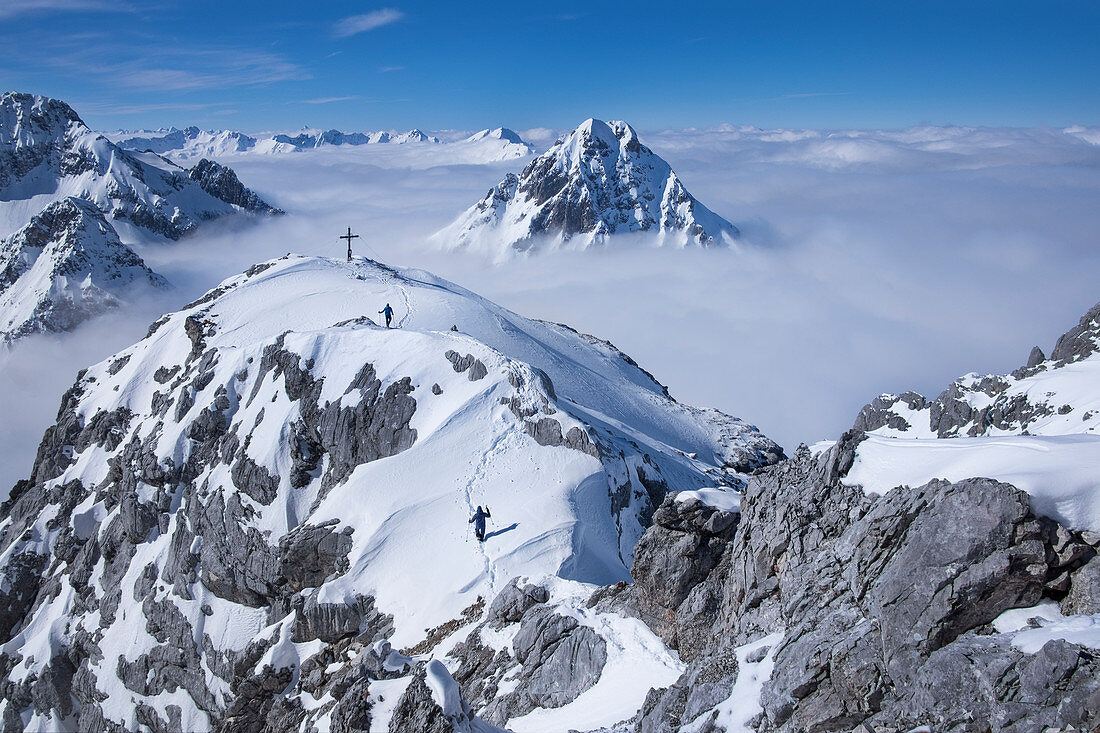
x,y
596,181
191,143
1082,629
734,713
411,545
727,500
637,660
1061,473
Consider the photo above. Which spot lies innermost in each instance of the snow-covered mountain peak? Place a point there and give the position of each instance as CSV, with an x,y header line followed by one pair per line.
x,y
273,474
499,133
595,181
65,266
47,153
29,119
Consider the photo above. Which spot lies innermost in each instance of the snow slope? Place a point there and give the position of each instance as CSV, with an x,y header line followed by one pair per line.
x,y
66,266
275,409
596,181
47,153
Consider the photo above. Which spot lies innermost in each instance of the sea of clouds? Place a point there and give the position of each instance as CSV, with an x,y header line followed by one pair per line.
x,y
872,261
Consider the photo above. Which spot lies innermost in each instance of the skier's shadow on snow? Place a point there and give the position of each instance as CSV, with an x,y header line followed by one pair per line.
x,y
509,528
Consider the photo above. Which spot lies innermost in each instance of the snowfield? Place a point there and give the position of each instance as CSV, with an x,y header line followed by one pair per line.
x,y
1060,472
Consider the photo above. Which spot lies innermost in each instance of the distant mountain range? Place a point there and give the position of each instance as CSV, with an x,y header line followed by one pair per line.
x,y
192,142
596,181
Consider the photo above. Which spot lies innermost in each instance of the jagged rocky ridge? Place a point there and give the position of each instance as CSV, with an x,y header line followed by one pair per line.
x,y
47,153
229,519
67,265
1046,396
596,181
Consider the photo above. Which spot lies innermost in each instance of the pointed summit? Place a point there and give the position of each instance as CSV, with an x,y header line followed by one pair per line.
x,y
596,181
66,266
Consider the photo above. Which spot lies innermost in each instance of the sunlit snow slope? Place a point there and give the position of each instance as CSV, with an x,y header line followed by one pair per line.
x,y
269,448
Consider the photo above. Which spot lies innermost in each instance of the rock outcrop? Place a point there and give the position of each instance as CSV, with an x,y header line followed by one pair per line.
x,y
884,604
1046,396
221,182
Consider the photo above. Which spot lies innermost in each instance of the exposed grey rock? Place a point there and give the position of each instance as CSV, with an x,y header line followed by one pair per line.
x,y
879,600
1084,589
417,711
474,367
512,602
560,659
1080,341
1036,357
698,690
221,182
982,682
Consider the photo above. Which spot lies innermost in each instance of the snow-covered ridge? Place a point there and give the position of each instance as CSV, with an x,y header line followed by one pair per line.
x,y
269,473
47,153
594,182
67,265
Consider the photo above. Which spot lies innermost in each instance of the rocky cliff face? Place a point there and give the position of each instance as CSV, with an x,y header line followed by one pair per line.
x,y
222,183
46,150
66,266
596,181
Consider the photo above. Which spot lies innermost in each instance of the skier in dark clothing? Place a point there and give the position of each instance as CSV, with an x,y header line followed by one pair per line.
x,y
388,313
479,523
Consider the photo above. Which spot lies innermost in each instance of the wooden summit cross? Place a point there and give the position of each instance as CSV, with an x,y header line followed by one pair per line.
x,y
349,236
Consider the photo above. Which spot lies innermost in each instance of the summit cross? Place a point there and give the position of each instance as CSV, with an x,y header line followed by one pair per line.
x,y
349,236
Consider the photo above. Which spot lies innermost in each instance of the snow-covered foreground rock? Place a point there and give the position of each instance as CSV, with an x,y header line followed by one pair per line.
x,y
47,153
230,514
66,266
596,181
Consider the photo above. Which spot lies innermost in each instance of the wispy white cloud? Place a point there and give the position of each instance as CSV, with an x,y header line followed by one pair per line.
x,y
106,108
355,24
807,95
329,100
388,69
13,8
175,69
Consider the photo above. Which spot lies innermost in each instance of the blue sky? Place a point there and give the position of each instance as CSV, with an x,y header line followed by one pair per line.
x,y
273,65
